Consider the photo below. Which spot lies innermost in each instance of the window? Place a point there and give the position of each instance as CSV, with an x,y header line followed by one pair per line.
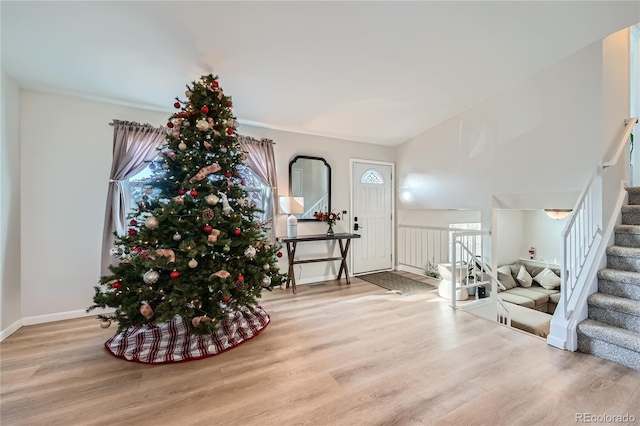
x,y
138,189
258,192
372,176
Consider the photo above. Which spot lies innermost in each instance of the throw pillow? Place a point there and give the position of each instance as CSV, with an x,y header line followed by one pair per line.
x,y
505,278
524,278
548,279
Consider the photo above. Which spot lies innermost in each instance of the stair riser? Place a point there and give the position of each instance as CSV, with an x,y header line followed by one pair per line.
x,y
623,263
618,319
634,199
627,240
605,350
615,288
631,218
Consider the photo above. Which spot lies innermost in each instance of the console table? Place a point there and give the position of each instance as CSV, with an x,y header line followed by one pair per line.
x,y
344,240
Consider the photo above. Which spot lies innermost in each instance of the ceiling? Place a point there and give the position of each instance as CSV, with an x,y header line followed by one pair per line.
x,y
376,72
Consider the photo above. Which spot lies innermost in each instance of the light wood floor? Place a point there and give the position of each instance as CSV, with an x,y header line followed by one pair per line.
x,y
332,355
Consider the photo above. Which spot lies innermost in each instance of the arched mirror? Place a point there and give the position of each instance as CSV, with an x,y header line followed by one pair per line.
x,y
310,178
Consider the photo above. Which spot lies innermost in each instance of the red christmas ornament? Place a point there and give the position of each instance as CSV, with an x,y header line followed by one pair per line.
x,y
279,254
229,105
215,84
174,274
116,284
237,231
193,193
207,229
170,125
225,299
133,232
230,131
205,109
228,174
177,105
182,191
240,277
133,222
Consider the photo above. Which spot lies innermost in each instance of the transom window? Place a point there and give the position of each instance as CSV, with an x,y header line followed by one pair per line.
x,y
372,176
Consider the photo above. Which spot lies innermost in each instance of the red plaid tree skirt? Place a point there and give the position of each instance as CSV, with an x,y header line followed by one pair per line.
x,y
172,341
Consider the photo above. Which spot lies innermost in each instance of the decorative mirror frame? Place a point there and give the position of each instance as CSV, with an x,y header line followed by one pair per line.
x,y
307,157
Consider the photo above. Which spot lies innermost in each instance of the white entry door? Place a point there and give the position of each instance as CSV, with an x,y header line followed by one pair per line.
x,y
372,207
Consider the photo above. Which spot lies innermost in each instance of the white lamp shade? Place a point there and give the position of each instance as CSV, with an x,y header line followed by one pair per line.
x,y
291,205
557,214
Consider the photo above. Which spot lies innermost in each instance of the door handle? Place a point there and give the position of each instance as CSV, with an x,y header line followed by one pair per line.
x,y
357,227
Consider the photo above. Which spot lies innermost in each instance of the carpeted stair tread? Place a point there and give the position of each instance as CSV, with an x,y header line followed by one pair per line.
x,y
619,283
624,251
633,190
610,334
631,208
625,277
627,229
615,303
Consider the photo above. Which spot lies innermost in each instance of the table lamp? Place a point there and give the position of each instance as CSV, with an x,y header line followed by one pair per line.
x,y
291,206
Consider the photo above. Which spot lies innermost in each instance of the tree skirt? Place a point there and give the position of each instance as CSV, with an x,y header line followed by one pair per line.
x,y
173,341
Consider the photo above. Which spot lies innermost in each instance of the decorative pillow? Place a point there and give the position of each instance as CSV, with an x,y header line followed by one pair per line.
x,y
548,279
505,278
524,279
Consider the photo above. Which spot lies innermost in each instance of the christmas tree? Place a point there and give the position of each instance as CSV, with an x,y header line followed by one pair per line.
x,y
193,253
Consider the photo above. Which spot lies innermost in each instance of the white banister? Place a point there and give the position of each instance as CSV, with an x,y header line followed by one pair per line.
x,y
583,244
630,122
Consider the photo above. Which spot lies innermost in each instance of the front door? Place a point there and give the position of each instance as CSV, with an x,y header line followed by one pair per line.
x,y
372,207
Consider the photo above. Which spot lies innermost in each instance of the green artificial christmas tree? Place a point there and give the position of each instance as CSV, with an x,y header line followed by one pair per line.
x,y
194,257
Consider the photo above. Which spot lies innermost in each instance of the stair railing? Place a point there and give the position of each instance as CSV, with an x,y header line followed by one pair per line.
x,y
583,240
503,314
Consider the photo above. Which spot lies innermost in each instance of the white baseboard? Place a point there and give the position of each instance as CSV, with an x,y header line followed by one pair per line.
x,y
412,269
60,316
10,330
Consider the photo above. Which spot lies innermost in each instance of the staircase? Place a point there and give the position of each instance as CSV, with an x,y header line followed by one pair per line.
x,y
612,330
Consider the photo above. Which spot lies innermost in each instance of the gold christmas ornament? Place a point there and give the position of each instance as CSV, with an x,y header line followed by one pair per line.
x,y
105,324
211,199
182,146
202,125
151,222
193,263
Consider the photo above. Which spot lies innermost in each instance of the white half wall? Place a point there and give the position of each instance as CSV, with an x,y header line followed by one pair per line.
x,y
10,314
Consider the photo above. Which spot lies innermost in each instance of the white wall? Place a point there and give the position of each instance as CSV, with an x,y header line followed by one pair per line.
x,y
541,135
10,314
66,156
543,233
337,152
435,217
509,236
64,174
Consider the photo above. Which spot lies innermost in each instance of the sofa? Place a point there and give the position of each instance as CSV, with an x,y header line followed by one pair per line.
x,y
535,292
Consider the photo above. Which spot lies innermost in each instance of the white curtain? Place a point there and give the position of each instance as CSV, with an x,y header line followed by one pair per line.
x,y
262,161
134,145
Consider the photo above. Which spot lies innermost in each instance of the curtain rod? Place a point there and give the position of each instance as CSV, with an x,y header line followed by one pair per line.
x,y
147,124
